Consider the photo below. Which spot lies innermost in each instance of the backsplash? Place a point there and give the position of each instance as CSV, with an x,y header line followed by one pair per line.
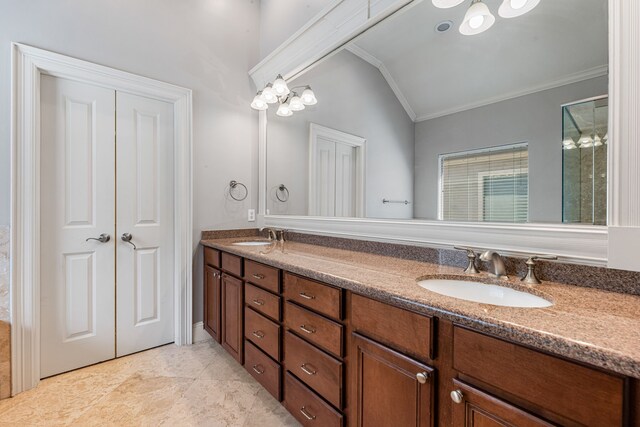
x,y
572,274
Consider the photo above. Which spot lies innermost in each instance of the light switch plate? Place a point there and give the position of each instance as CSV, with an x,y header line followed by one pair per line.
x,y
251,215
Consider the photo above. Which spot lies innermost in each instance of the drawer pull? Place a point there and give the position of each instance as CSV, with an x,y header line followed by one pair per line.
x,y
258,276
457,396
307,415
422,377
258,334
258,369
306,295
258,301
308,369
308,329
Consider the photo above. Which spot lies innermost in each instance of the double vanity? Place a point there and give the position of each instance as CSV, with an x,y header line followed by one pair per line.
x,y
345,337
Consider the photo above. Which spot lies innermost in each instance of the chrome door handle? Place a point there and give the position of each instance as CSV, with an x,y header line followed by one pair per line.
x,y
103,238
126,237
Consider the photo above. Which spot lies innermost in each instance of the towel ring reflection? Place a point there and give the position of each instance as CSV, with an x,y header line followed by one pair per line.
x,y
235,184
285,193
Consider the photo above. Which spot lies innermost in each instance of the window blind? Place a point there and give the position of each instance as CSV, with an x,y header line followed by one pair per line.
x,y
485,185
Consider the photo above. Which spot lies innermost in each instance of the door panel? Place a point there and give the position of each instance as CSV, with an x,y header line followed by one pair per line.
x,y
144,205
326,177
345,180
77,301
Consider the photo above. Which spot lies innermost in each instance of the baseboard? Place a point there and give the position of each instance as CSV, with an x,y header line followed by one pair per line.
x,y
199,334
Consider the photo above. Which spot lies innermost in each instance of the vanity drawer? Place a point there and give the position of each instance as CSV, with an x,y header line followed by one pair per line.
x,y
262,301
262,275
319,330
307,407
404,330
551,385
263,369
315,368
262,332
211,257
315,295
232,264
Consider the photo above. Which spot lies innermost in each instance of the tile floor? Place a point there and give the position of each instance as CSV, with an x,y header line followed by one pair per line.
x,y
200,385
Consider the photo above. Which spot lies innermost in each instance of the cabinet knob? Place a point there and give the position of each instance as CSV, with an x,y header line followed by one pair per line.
x,y
457,396
422,377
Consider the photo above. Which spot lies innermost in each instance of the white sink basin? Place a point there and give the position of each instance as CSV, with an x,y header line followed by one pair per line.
x,y
253,243
484,293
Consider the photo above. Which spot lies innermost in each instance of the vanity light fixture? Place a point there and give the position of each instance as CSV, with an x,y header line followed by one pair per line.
x,y
479,18
569,144
585,141
288,100
597,141
515,8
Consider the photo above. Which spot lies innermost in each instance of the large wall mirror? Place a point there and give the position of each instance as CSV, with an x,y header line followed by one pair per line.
x,y
416,120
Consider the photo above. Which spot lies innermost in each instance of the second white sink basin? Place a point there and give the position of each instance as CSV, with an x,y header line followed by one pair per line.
x,y
253,243
484,293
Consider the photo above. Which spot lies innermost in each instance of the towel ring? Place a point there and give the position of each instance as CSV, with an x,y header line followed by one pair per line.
x,y
285,192
235,184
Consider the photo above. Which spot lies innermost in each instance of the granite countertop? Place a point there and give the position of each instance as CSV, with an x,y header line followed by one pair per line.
x,y
589,325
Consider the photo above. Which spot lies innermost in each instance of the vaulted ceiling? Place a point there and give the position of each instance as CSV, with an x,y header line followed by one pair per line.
x,y
434,74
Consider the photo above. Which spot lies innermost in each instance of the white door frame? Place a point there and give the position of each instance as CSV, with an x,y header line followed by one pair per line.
x,y
315,131
28,64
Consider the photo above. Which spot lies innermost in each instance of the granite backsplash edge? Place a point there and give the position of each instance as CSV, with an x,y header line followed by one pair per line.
x,y
607,279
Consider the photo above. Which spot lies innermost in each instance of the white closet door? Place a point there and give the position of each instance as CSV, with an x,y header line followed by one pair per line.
x,y
77,304
345,180
325,179
144,206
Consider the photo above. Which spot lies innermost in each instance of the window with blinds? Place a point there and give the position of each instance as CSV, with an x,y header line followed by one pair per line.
x,y
490,184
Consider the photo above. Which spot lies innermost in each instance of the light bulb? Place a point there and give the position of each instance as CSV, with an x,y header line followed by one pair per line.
x,y
477,19
585,141
280,86
269,95
514,8
284,110
308,97
568,141
259,102
296,103
445,4
597,141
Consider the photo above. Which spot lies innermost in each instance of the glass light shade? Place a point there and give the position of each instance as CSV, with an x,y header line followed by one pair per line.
x,y
259,102
280,86
570,147
568,141
308,97
585,141
605,139
296,103
284,110
269,95
514,8
445,4
597,141
477,19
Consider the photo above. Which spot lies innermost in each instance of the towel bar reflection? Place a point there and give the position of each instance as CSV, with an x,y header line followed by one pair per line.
x,y
403,202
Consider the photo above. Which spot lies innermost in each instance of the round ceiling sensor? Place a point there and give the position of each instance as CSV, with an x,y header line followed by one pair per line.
x,y
444,26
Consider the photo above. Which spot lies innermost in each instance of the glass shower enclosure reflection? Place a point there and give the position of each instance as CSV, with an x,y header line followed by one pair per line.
x,y
584,161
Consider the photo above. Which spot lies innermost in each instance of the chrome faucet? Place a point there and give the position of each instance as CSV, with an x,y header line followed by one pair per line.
x,y
272,233
498,264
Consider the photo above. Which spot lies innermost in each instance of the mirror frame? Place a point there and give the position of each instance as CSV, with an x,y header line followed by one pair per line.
x,y
611,246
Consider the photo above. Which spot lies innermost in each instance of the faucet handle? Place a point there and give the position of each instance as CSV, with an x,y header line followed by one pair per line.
x,y
530,278
471,255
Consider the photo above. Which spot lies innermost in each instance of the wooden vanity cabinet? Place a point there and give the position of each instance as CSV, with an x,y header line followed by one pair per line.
x,y
212,293
391,389
232,316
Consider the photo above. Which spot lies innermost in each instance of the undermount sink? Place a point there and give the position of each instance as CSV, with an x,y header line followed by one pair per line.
x,y
253,243
484,293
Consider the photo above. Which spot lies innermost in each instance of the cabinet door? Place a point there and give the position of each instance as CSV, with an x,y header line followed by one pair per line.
x,y
474,408
391,388
212,288
232,330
